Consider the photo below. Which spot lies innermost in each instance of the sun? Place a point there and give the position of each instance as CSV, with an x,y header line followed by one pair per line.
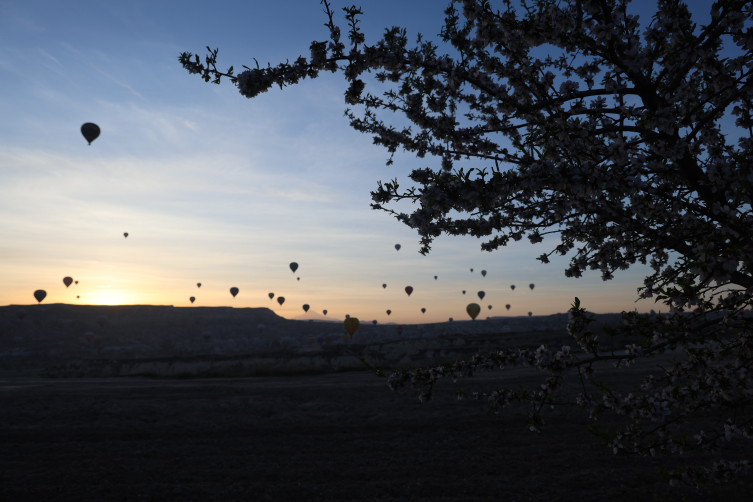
x,y
106,296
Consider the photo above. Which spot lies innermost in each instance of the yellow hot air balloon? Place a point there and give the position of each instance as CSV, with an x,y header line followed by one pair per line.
x,y
473,310
351,325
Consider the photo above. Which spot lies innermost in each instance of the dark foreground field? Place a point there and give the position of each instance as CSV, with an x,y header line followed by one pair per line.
x,y
341,436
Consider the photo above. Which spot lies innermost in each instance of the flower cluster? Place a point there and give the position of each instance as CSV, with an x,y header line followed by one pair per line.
x,y
610,140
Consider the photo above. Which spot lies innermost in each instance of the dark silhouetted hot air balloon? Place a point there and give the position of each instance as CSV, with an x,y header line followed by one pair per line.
x,y
399,330
463,291
198,284
21,313
374,322
298,278
233,291
450,319
483,272
89,337
384,285
67,281
389,312
408,290
423,311
75,282
90,131
471,270
397,246
512,287
351,325
347,316
532,285
530,314
77,296
473,309
490,307
507,306
324,312
435,277
40,295
101,320
125,234
193,299
294,267
305,307
481,294
271,295
280,300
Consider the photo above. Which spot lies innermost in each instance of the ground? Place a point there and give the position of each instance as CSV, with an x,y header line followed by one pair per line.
x,y
338,436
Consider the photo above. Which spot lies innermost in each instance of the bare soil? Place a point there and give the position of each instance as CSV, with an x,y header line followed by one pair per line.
x,y
338,436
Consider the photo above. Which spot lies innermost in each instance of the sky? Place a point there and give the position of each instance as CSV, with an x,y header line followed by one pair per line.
x,y
222,190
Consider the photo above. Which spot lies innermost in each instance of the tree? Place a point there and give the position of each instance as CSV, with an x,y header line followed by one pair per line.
x,y
631,146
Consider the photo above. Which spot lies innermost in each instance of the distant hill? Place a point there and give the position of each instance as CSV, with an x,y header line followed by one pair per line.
x,y
313,316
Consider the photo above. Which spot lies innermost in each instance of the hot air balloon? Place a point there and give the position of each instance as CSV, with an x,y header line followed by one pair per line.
x,y
67,281
77,296
507,306
473,309
351,325
389,312
347,316
481,294
260,327
193,299
207,335
399,330
305,307
40,295
90,131
89,336
530,314
75,282
423,311
281,300
483,272
532,285
125,234
374,322
233,291
198,284
298,278
294,267
21,314
408,290
384,285
435,277
490,307
463,291
101,320
471,270
397,246
512,287
450,319
271,295
324,312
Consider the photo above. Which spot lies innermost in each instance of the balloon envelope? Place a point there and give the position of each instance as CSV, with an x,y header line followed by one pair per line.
x,y
471,270
198,284
512,287
233,291
193,299
90,131
351,325
40,295
75,282
483,272
481,294
473,309
294,267
298,278
490,307
423,311
281,300
435,277
324,312
67,281
374,322
531,286
389,312
530,314
271,295
125,234
384,285
306,307
463,291
408,290
507,306
397,246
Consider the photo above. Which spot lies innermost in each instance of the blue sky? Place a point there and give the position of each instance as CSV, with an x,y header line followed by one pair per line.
x,y
218,189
